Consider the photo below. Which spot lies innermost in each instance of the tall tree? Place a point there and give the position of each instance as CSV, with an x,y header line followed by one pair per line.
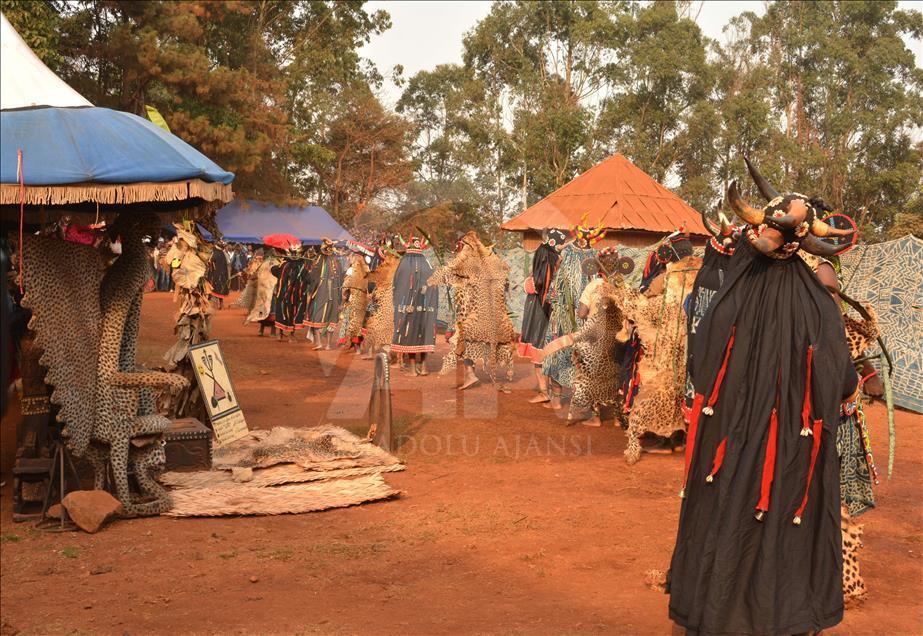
x,y
369,155
654,114
848,93
545,63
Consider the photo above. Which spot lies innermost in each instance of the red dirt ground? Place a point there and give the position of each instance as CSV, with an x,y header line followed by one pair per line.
x,y
510,523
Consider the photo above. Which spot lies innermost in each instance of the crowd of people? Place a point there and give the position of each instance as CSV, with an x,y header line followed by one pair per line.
x,y
742,360
747,346
226,268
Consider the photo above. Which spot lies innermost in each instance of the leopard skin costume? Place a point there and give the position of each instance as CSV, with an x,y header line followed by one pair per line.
x,y
861,333
380,325
854,591
662,325
86,321
598,356
355,297
483,330
597,353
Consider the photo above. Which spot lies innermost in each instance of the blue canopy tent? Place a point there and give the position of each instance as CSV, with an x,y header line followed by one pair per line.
x,y
60,150
245,221
113,157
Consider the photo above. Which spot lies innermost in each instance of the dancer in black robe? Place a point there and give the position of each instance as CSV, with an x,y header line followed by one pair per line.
x,y
758,550
415,306
324,307
297,282
219,274
537,309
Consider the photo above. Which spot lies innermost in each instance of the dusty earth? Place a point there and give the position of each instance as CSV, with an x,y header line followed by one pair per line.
x,y
510,522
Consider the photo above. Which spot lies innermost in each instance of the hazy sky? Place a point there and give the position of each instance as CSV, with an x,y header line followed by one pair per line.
x,y
424,34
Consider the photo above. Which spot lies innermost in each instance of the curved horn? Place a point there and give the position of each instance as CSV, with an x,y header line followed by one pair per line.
x,y
819,228
710,225
726,228
769,193
814,245
749,214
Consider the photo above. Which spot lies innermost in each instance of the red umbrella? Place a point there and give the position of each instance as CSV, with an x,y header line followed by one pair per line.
x,y
282,241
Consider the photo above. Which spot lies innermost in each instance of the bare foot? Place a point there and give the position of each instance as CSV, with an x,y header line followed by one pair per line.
x,y
554,405
541,398
594,421
470,383
317,347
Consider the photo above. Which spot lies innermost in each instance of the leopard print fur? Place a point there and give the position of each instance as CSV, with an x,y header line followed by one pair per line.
x,y
483,330
263,283
380,325
854,591
89,331
355,297
598,356
860,334
662,325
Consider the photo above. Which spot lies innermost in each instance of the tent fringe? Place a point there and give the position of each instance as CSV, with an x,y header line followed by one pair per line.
x,y
116,194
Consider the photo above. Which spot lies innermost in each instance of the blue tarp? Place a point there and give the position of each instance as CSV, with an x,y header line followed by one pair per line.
x,y
96,145
246,221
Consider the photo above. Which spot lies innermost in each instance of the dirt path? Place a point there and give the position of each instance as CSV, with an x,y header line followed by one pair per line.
x,y
510,523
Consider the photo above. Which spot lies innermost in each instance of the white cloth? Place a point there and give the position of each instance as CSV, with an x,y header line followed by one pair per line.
x,y
25,81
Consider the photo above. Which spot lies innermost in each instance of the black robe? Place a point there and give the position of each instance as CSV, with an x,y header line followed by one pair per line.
x,y
218,273
324,307
537,309
296,284
707,282
415,305
730,572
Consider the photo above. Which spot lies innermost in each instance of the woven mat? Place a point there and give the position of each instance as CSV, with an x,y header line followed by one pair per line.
x,y
241,499
273,476
285,470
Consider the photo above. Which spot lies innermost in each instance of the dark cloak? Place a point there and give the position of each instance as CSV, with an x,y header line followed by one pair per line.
x,y
415,305
324,309
218,273
730,573
297,282
537,309
707,282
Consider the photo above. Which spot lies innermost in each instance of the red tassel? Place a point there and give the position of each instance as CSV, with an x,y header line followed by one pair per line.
x,y
769,465
719,459
806,406
713,398
690,437
815,448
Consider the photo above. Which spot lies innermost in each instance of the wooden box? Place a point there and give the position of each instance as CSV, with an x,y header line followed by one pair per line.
x,y
188,445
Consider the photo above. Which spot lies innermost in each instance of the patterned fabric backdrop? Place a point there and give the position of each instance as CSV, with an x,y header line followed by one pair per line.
x,y
889,276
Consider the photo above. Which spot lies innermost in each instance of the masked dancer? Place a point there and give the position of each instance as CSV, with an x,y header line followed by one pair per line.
x,y
415,306
758,550
537,308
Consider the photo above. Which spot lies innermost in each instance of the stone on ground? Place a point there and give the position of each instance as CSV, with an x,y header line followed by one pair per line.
x,y
91,509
